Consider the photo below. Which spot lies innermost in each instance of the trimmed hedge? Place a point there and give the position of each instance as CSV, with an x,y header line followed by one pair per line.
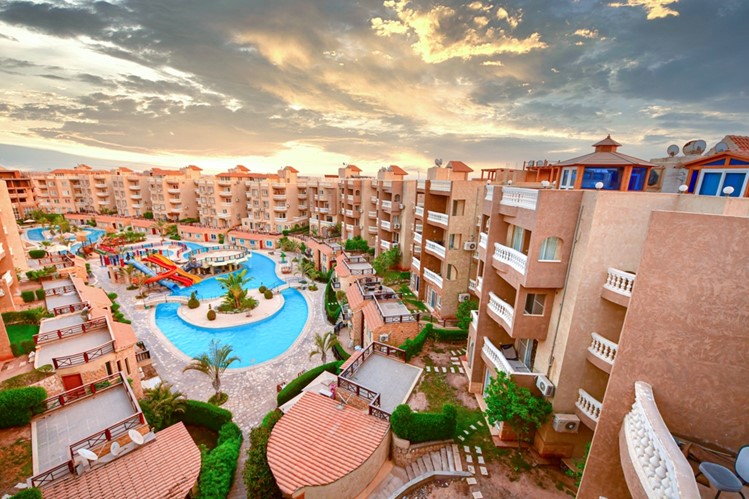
x,y
257,474
450,334
340,353
37,253
294,387
218,466
17,405
27,296
204,414
30,493
39,294
413,346
419,427
30,316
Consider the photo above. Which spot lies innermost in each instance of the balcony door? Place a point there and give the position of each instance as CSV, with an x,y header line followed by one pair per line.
x,y
569,175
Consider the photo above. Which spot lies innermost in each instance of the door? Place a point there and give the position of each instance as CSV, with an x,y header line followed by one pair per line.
x,y
71,382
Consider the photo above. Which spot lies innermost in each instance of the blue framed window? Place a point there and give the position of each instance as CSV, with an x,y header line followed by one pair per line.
x,y
713,182
610,177
637,179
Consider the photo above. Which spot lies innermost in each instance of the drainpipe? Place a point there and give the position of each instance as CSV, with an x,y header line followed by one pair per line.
x,y
564,292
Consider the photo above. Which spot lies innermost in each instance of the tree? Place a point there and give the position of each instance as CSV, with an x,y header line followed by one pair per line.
x,y
463,313
129,272
162,226
323,343
386,260
213,363
161,404
356,244
234,285
515,405
288,245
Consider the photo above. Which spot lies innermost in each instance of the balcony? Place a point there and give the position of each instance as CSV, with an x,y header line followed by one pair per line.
x,y
385,225
419,228
227,205
441,186
472,285
102,194
436,249
475,319
133,187
438,218
137,206
483,240
518,197
324,209
374,199
227,193
301,195
417,237
224,216
281,207
136,196
2,251
479,284
602,352
433,277
278,185
386,245
386,205
279,197
350,213
224,183
501,311
618,286
350,198
416,263
504,255
588,409
100,185
497,359
280,220
349,227
489,193
652,461
419,211
421,184
372,229
372,214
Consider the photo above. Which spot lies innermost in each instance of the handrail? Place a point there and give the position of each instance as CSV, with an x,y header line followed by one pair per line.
x,y
68,309
74,395
500,307
519,197
619,281
588,405
65,332
510,256
603,348
83,357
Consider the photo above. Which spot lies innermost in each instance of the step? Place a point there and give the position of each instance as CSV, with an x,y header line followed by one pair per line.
x,y
410,472
426,461
450,458
437,461
456,456
399,472
445,460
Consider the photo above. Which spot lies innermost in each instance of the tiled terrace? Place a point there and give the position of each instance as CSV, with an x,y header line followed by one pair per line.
x,y
70,346
393,379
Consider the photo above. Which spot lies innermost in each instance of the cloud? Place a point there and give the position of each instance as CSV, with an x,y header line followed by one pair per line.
x,y
656,9
586,33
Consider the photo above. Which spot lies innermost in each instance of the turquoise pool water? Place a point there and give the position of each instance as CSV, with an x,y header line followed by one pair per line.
x,y
35,234
94,234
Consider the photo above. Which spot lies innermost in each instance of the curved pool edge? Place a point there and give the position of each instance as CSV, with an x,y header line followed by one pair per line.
x,y
252,322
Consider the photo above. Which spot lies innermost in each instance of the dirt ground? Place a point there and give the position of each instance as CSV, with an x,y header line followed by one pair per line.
x,y
15,456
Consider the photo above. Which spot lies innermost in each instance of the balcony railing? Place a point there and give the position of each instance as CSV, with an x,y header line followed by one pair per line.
x,y
603,349
386,205
472,284
67,332
417,237
416,263
421,184
489,193
620,282
517,196
349,213
436,249
385,224
511,257
62,290
483,239
83,357
501,308
659,465
419,211
588,405
372,214
479,283
475,319
433,277
372,229
439,218
386,245
440,185
501,363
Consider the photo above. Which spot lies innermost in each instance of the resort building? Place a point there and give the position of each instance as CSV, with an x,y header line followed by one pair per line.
x,y
173,193
445,237
21,192
324,202
394,194
350,267
222,199
276,202
132,193
12,254
5,351
358,199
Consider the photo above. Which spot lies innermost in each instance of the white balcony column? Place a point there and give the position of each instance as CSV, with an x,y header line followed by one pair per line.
x,y
588,405
501,308
603,349
511,257
519,197
620,282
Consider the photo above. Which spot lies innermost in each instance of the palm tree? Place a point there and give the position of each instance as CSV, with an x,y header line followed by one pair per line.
x,y
213,363
162,226
323,343
163,404
129,271
234,285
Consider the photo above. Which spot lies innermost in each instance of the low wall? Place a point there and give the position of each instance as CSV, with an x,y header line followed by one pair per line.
x,y
405,453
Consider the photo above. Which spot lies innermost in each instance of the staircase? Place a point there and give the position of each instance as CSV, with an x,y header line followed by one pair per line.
x,y
444,462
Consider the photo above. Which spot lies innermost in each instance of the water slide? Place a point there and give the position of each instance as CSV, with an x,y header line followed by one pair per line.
x,y
160,277
166,263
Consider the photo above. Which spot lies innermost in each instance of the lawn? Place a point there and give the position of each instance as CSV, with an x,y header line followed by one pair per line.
x,y
18,333
16,458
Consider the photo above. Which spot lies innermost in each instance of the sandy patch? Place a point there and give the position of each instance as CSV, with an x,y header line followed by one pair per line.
x,y
266,308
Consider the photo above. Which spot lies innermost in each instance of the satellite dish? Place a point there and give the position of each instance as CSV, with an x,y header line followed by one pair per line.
x,y
699,146
438,162
136,437
87,454
114,448
672,150
721,147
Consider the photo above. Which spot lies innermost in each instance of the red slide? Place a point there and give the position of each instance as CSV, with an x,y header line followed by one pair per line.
x,y
170,274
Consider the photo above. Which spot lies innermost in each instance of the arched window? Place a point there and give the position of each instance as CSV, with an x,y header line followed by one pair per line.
x,y
397,198
452,272
551,249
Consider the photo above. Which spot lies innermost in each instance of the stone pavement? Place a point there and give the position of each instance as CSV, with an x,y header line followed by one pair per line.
x,y
252,390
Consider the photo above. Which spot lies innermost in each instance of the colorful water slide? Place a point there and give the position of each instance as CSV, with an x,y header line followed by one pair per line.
x,y
170,274
166,263
144,268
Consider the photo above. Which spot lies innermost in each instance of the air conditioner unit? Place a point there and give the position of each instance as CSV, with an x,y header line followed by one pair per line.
x,y
384,338
545,385
396,226
464,297
402,206
470,246
566,423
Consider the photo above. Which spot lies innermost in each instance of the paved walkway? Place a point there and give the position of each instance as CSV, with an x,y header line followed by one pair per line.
x,y
252,390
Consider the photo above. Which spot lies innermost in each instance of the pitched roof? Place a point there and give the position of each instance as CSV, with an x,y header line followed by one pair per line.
x,y
166,468
291,169
319,441
608,141
605,158
459,166
397,170
340,269
353,168
124,336
741,141
372,317
193,167
355,298
743,155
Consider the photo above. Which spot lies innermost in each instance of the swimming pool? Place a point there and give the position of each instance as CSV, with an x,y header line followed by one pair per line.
x,y
36,234
252,343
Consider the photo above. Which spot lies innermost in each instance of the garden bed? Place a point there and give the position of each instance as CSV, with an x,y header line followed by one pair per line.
x,y
15,454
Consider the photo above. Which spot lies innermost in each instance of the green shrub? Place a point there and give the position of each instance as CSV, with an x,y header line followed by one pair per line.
x,y
30,316
30,493
27,296
257,474
193,302
413,346
16,350
28,346
211,315
313,287
419,427
262,290
463,313
294,387
268,294
450,334
204,414
17,405
218,466
39,294
37,253
148,215
339,352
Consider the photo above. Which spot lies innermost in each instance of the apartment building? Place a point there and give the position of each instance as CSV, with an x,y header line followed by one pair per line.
x,y
21,192
173,193
445,237
276,202
222,199
11,252
358,197
54,190
324,202
394,220
132,192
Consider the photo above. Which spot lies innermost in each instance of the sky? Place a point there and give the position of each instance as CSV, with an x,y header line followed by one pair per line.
x,y
319,84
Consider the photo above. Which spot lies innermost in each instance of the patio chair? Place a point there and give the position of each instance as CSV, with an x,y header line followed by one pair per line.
x,y
724,479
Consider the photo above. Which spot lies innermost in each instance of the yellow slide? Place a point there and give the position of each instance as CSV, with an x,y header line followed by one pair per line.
x,y
167,262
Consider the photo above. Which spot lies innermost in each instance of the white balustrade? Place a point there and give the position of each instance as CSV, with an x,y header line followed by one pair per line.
x,y
620,282
479,283
417,237
386,205
385,224
475,318
440,185
385,245
436,248
501,308
372,214
483,239
661,468
520,197
472,284
489,193
511,257
416,263
603,349
588,405
433,277
436,217
421,184
500,361
419,211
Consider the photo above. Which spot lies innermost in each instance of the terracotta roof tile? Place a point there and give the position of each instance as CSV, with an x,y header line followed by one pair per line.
x,y
397,170
459,166
355,298
354,168
165,468
608,141
124,336
340,269
318,441
741,141
372,317
291,169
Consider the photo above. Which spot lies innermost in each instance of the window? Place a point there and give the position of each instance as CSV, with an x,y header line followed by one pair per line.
x,y
526,352
127,366
458,207
569,175
611,178
712,182
637,179
452,272
534,304
454,241
550,249
108,365
470,353
517,237
119,366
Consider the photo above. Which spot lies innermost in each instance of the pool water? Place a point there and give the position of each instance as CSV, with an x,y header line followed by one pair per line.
x,y
94,234
35,234
252,343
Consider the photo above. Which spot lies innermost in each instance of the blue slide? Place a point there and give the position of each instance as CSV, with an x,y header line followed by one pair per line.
x,y
144,268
